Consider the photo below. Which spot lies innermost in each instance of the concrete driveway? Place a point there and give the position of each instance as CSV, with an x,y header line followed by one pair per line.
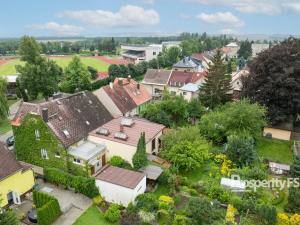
x,y
72,204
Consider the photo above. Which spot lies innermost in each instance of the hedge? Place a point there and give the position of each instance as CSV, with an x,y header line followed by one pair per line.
x,y
48,209
83,185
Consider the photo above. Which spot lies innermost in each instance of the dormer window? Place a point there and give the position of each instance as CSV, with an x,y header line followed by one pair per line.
x,y
44,154
87,123
37,135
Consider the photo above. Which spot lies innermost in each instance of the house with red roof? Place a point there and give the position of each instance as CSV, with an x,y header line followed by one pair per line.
x,y
121,136
124,97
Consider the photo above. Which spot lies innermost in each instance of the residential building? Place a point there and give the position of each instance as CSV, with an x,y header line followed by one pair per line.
x,y
176,82
15,179
48,134
203,59
189,64
120,186
11,89
121,136
236,82
168,44
124,97
156,80
230,50
179,79
258,48
138,53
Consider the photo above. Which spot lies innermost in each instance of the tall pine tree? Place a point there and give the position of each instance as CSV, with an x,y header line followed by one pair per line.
x,y
3,101
140,158
296,167
217,86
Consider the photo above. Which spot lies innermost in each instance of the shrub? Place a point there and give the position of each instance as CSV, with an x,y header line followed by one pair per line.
x,y
163,216
98,200
166,199
180,220
130,219
252,173
283,219
267,213
119,162
293,204
147,202
48,209
146,217
83,185
230,214
113,214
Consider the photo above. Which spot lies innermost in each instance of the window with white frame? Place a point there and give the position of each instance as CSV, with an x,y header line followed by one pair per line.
x,y
77,161
44,154
37,134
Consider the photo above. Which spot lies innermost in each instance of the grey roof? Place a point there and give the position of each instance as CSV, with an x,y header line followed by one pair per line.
x,y
190,87
279,166
87,150
152,172
157,76
187,62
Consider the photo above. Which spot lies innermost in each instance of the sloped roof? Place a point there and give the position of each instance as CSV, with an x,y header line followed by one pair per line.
x,y
198,56
8,163
190,87
78,114
133,133
187,62
127,94
119,176
157,76
181,78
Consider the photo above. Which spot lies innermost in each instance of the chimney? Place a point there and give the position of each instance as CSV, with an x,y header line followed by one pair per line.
x,y
45,115
138,86
111,85
121,128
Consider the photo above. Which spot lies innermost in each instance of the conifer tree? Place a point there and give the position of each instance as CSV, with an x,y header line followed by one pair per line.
x,y
296,167
140,158
217,86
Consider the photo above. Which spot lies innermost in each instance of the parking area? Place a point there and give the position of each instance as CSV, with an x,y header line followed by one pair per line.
x,y
72,204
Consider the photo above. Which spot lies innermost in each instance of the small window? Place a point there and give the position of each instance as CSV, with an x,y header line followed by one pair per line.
x,y
57,154
173,93
37,135
44,154
184,93
154,53
77,161
153,144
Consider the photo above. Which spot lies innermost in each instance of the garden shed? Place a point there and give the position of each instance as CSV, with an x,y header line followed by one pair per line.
x,y
121,186
278,168
233,185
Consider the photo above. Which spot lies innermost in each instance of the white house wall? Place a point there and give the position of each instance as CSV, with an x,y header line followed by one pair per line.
x,y
119,194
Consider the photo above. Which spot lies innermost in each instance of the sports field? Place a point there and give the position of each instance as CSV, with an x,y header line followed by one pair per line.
x,y
8,67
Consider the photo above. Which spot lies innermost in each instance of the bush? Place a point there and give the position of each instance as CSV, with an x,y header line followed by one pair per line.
x,y
83,185
98,200
130,219
163,216
252,173
48,209
119,162
147,202
293,204
267,213
180,220
113,214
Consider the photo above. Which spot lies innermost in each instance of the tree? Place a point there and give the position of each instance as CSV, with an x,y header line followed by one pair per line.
x,y
93,72
245,50
77,77
240,150
7,217
3,101
195,110
274,81
173,55
154,113
113,70
29,49
215,90
296,167
293,205
140,158
186,155
241,118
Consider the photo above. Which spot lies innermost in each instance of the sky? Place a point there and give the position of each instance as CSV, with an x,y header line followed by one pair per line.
x,y
91,18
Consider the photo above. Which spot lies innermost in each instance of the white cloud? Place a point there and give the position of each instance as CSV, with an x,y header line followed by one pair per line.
x,y
148,1
228,31
270,7
59,29
221,18
127,16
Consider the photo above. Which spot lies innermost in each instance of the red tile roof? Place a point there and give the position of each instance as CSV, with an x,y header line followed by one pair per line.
x,y
134,132
198,56
8,163
180,78
119,176
127,94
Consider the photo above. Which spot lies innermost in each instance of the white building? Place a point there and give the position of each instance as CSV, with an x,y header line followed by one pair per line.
x,y
258,48
120,186
233,185
138,53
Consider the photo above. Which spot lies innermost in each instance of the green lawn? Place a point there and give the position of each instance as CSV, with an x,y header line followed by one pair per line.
x,y
4,126
275,150
11,102
92,216
9,67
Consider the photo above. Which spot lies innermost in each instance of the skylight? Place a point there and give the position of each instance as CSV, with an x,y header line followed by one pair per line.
x,y
121,135
66,133
102,131
128,122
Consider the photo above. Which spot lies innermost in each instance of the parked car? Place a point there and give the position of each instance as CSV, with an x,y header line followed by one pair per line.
x,y
10,141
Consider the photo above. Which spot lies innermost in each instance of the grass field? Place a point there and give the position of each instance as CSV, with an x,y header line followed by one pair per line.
x,y
92,216
9,67
4,126
275,150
